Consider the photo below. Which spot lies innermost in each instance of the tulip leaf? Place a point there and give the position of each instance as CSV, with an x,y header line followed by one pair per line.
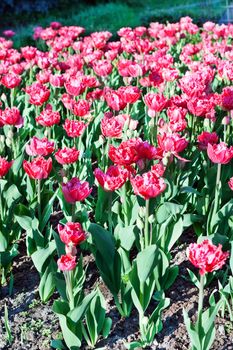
x,y
146,261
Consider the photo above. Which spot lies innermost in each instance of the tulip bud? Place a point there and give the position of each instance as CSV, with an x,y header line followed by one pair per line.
x,y
226,120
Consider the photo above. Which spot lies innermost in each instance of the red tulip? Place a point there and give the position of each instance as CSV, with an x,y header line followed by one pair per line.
x,y
8,33
227,98
71,233
102,68
206,137
66,262
206,256
67,155
173,143
148,185
38,93
126,154
219,153
74,128
4,166
28,52
75,190
230,183
130,93
114,99
113,179
11,116
39,147
48,117
11,80
155,103
112,126
81,108
39,168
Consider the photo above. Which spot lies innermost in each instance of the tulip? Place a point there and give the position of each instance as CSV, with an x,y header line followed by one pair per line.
x,y
75,190
39,147
230,183
67,155
147,186
208,258
4,166
71,233
39,168
74,128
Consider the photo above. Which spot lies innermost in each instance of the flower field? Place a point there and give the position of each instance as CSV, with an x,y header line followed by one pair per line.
x,y
116,181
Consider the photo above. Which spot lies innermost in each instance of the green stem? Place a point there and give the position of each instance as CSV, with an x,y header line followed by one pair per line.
x,y
118,305
110,225
217,190
69,288
1,204
73,212
39,198
200,302
146,230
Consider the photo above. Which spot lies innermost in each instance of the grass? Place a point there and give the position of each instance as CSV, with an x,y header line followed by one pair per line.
x,y
113,15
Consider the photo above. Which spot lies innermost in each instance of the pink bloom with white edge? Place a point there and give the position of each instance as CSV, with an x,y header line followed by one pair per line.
x,y
67,262
39,147
207,256
220,153
71,233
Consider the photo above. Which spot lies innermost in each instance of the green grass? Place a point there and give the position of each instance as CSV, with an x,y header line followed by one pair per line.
x,y
113,15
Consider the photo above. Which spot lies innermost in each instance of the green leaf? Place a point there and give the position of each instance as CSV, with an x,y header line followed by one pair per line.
x,y
11,195
175,234
146,261
78,312
23,216
126,236
3,243
193,335
47,282
41,255
103,241
107,327
47,211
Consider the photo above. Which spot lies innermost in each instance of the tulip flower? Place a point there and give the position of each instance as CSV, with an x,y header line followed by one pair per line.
x,y
67,155
39,168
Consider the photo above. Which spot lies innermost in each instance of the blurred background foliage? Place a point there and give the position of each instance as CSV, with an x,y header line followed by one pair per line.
x,y
23,15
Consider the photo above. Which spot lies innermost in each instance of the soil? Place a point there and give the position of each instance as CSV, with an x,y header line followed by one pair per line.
x,y
33,324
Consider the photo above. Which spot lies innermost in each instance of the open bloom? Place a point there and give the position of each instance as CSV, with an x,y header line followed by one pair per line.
x,y
75,190
38,93
113,179
67,155
206,137
155,103
66,262
74,128
112,126
220,153
148,185
227,98
11,116
39,168
126,153
11,80
48,117
39,147
71,233
206,256
4,166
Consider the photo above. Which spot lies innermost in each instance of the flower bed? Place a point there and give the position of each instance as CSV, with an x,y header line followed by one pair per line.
x,y
114,150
